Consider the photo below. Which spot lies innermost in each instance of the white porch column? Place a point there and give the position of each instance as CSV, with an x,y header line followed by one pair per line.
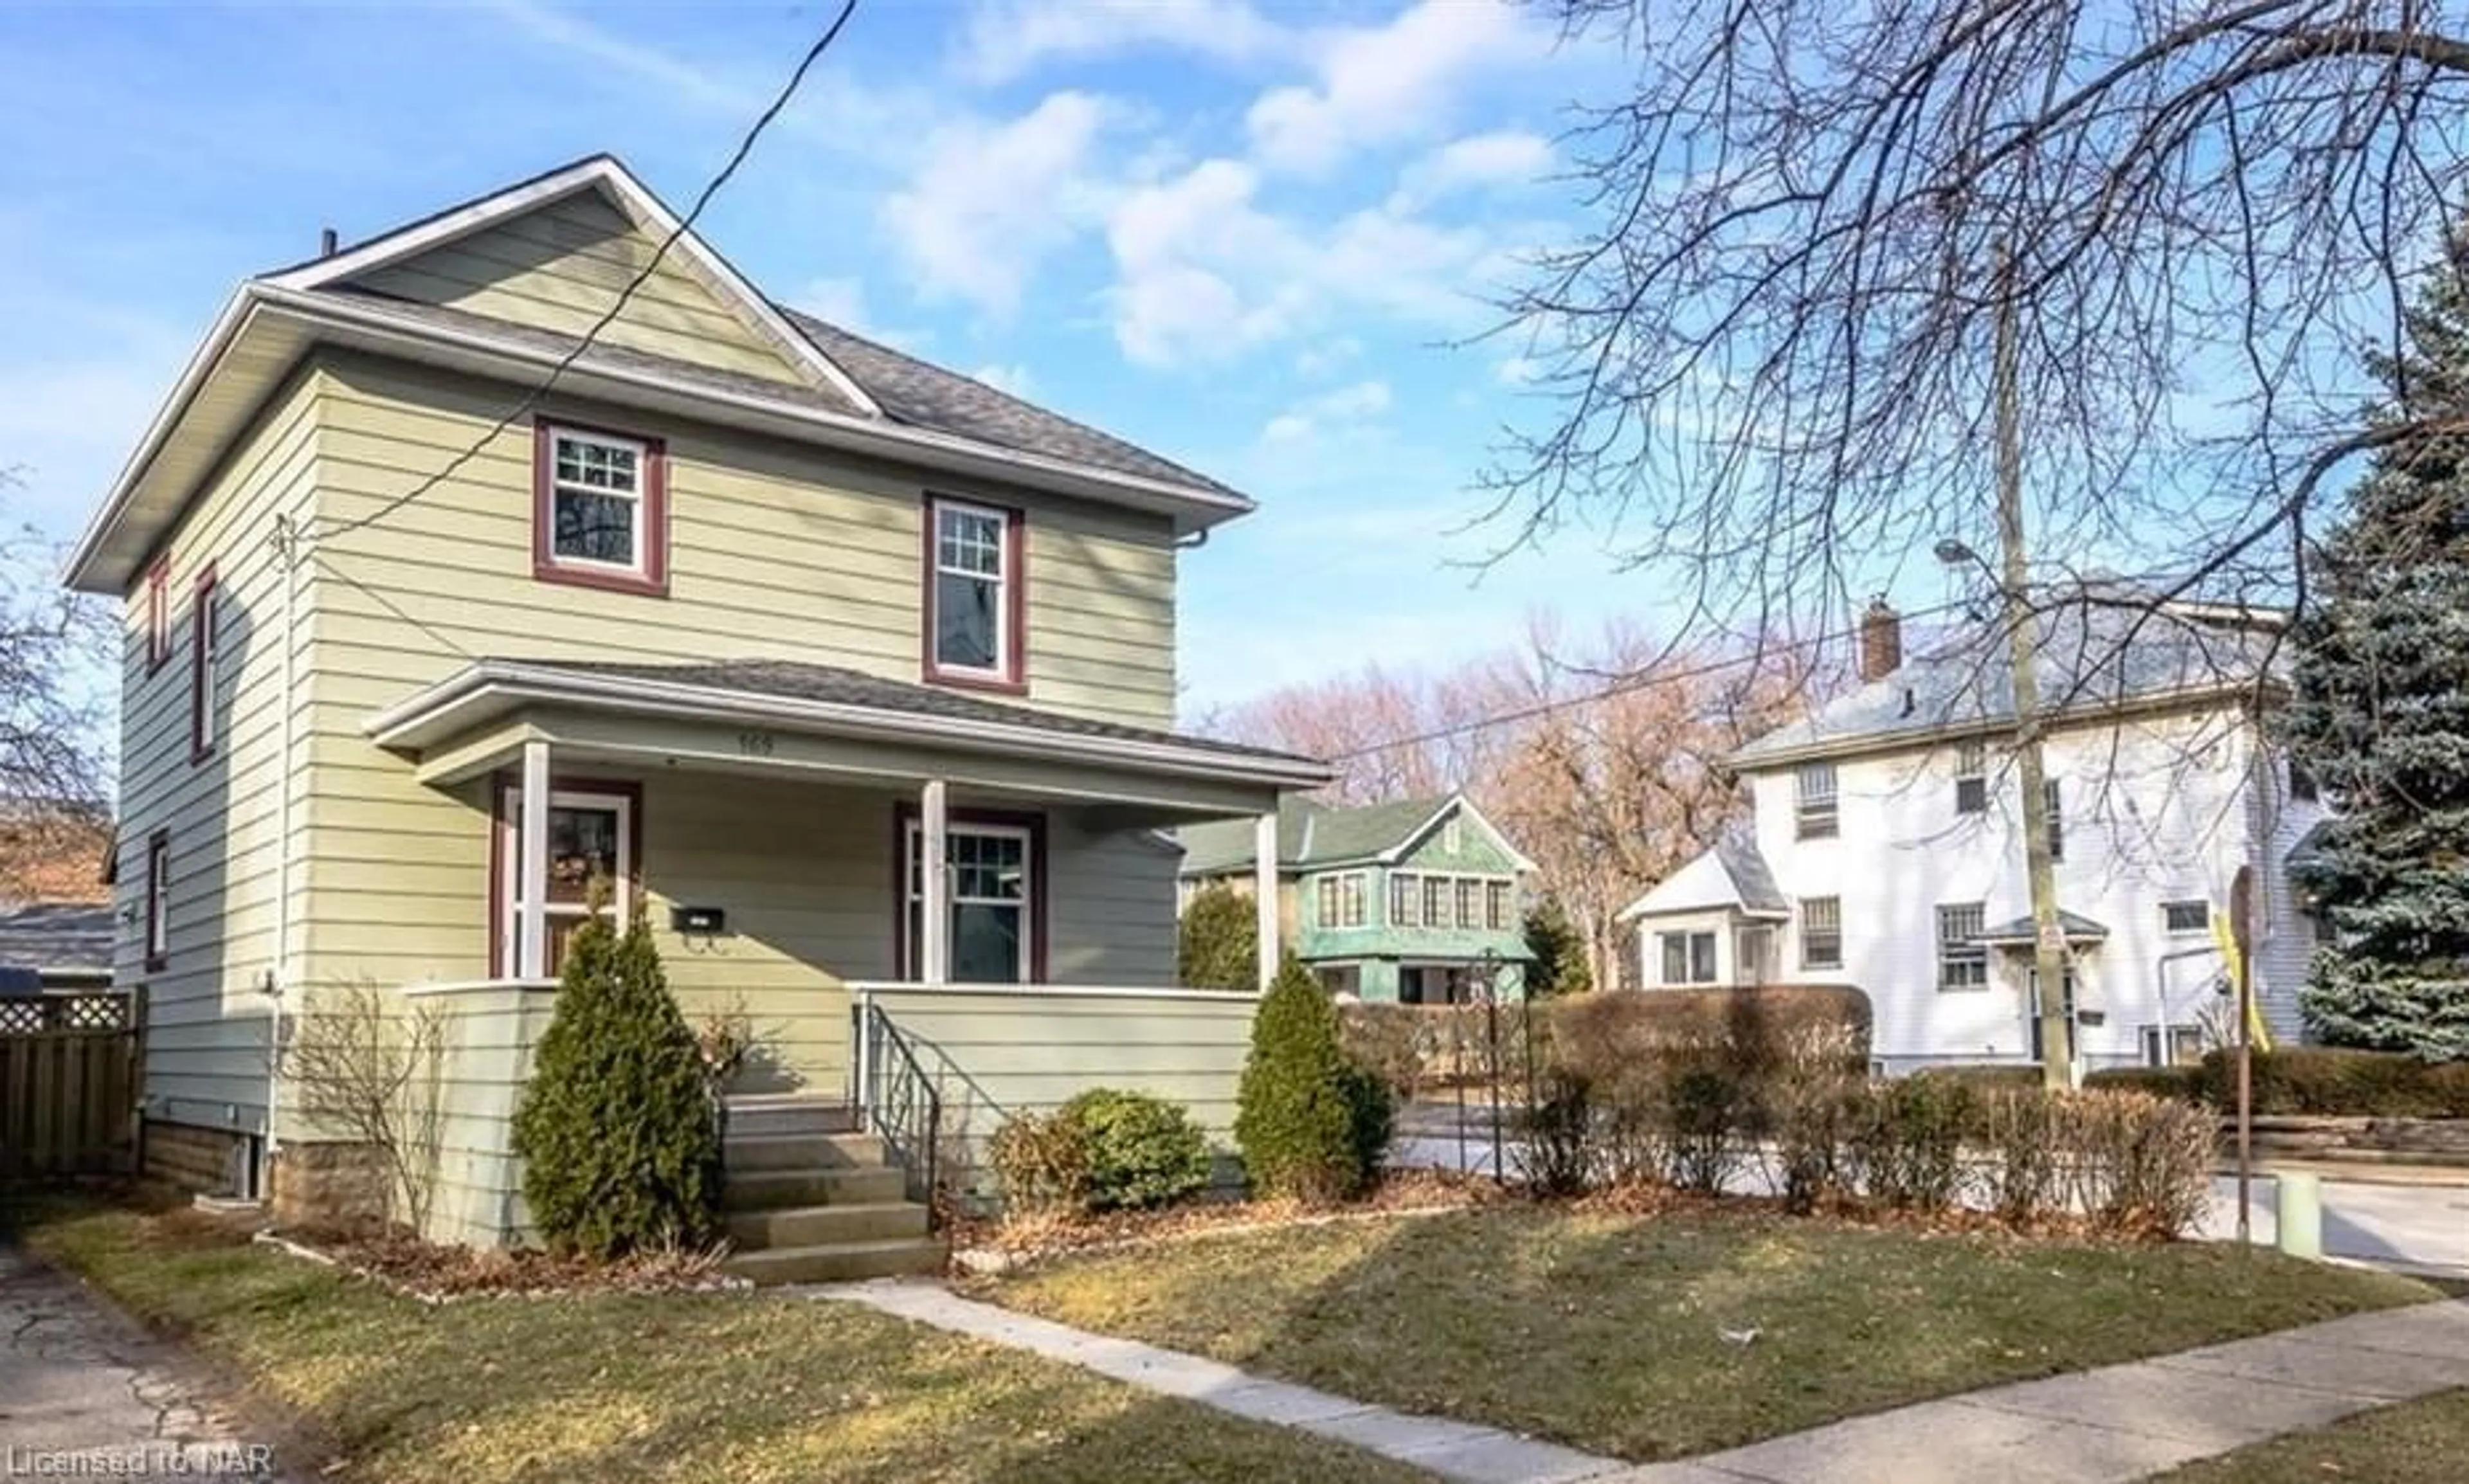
x,y
1264,891
934,880
531,889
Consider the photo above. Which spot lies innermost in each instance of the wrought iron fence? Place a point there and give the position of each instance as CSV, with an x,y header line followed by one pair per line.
x,y
900,1101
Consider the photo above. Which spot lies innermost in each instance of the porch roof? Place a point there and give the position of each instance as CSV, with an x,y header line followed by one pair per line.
x,y
2023,932
820,700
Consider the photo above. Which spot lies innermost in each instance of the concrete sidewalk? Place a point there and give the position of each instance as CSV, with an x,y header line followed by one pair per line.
x,y
2104,1426
2121,1421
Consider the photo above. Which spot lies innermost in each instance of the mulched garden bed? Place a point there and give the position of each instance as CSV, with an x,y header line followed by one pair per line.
x,y
436,1274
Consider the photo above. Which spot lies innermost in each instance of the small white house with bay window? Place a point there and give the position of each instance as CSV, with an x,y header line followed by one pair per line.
x,y
1884,846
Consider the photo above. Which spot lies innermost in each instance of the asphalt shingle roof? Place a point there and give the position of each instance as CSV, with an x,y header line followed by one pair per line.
x,y
911,392
2099,644
1310,834
56,936
792,680
1751,877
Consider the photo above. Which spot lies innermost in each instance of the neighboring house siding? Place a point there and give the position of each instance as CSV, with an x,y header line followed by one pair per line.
x,y
2153,810
206,1038
560,267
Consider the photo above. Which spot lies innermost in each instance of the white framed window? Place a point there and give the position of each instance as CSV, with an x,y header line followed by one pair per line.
x,y
1688,957
973,595
1405,897
601,509
2186,1047
1814,813
158,898
1499,902
590,842
1341,901
1436,902
2187,916
158,613
1821,932
1326,893
993,903
1469,902
2055,797
1972,776
1962,959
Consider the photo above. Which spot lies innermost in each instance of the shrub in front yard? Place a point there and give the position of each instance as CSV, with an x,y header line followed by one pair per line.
x,y
1303,1112
1908,1140
2143,1165
2184,1084
1139,1150
1041,1163
1217,943
2325,1081
617,1129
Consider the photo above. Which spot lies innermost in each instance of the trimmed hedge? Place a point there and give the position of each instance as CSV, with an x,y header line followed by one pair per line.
x,y
1311,1122
2178,1084
2329,1082
1105,1149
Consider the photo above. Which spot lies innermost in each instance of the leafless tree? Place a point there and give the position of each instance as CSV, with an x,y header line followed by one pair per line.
x,y
56,653
1768,359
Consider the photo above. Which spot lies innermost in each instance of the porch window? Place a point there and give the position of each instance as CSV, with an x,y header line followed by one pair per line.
x,y
992,903
1688,957
1962,959
205,656
1821,932
591,839
1814,815
600,514
158,899
1470,903
1972,776
1404,893
1496,906
973,593
1341,901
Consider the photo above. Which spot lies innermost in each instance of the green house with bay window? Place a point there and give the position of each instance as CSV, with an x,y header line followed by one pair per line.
x,y
1420,901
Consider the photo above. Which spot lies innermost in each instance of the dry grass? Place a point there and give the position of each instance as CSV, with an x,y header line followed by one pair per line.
x,y
610,1386
2415,1443
1602,1329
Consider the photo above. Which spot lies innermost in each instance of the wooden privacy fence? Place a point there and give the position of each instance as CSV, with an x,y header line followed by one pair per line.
x,y
68,1083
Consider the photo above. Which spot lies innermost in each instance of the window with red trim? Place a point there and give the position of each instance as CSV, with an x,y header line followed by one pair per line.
x,y
159,906
600,509
158,614
975,594
205,665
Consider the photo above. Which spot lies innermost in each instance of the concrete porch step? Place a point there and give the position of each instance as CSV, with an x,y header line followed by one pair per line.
x,y
761,1114
773,1189
842,1262
808,1226
803,1150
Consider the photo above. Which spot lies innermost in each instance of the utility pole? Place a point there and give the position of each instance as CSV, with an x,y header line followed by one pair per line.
x,y
2048,936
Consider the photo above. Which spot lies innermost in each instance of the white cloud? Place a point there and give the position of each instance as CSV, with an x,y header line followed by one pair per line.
x,y
1347,407
1500,157
1010,38
1384,84
990,201
1518,371
1325,356
839,300
1014,379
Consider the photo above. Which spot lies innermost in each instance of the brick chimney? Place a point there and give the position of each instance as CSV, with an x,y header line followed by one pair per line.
x,y
1881,641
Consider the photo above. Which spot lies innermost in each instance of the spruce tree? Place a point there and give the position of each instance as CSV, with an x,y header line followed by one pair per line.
x,y
2380,709
1556,957
1309,1122
617,1131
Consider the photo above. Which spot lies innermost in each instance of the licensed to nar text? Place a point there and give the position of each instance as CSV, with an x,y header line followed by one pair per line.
x,y
141,1461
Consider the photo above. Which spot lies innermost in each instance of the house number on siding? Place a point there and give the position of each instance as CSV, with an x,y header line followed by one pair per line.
x,y
756,744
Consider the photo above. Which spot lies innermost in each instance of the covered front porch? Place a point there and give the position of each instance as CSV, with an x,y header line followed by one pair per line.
x,y
774,822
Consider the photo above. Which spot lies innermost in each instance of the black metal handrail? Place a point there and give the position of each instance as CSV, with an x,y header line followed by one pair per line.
x,y
901,1102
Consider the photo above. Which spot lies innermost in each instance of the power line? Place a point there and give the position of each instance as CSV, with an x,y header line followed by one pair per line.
x,y
532,399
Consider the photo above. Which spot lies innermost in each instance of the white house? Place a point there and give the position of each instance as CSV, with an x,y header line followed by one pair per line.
x,y
1885,850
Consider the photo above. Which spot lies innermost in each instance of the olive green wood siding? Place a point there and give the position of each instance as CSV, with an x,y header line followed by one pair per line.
x,y
207,1019
994,1054
562,266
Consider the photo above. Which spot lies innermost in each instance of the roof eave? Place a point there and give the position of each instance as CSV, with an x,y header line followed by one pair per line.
x,y
463,699
1751,760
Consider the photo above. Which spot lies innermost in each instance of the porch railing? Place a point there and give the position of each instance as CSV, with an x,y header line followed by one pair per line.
x,y
898,1100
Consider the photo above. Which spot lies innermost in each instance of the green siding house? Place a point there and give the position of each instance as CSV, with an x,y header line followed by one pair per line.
x,y
1418,902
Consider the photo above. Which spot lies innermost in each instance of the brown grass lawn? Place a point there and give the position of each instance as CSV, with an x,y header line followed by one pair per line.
x,y
2413,1442
1602,1331
617,1388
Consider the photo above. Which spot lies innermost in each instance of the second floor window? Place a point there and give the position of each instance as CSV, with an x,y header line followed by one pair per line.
x,y
600,516
1972,778
1405,894
973,593
158,614
1814,803
1436,901
2055,798
1497,904
1341,901
1821,932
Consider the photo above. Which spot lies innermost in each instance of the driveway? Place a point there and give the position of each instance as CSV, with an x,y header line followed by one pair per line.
x,y
84,1392
2417,1226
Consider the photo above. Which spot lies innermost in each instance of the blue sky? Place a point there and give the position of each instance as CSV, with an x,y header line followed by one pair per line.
x,y
1241,234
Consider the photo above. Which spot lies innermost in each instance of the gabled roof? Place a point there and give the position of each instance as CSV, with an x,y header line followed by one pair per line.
x,y
1730,874
1313,836
2100,646
853,395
